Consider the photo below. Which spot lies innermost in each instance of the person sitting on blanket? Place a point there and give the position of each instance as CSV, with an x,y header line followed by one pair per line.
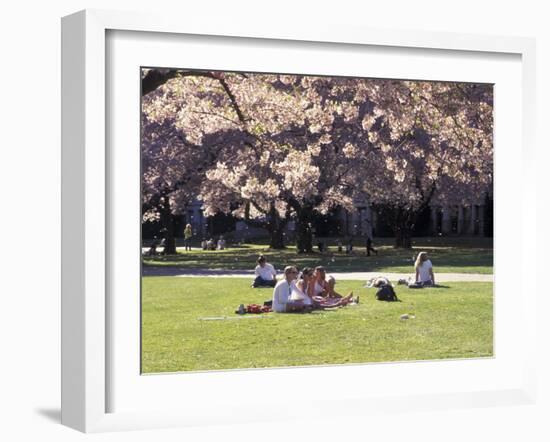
x,y
301,290
281,302
324,286
424,271
265,273
305,291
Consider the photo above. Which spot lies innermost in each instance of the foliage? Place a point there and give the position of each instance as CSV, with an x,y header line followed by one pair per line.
x,y
269,147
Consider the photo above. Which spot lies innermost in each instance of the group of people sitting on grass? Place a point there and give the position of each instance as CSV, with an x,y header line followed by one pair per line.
x,y
211,244
311,289
302,291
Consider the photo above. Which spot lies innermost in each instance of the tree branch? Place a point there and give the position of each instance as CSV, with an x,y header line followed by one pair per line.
x,y
233,100
157,77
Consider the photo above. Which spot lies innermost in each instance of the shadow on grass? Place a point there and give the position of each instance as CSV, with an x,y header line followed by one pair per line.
x,y
428,287
472,256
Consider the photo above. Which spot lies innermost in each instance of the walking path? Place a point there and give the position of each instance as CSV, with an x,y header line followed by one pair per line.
x,y
362,276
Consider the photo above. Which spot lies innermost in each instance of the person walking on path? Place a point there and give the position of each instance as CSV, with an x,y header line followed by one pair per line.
x,y
370,248
187,235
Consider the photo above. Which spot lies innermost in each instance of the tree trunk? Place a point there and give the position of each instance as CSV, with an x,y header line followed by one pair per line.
x,y
403,238
274,224
404,220
167,221
276,227
276,240
304,235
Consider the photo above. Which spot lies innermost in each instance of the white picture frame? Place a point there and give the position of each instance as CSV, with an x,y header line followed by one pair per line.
x,y
86,357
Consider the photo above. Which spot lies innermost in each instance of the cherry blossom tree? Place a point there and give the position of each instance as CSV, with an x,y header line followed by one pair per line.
x,y
281,158
435,147
170,175
277,147
299,158
173,167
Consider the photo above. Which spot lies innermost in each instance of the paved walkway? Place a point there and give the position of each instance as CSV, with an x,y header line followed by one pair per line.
x,y
361,276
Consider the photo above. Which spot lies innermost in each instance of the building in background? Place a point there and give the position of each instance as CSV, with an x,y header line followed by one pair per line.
x,y
470,220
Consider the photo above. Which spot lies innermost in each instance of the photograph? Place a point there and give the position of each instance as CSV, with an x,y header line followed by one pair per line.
x,y
298,219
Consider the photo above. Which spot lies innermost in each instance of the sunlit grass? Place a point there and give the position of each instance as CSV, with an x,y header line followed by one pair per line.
x,y
179,334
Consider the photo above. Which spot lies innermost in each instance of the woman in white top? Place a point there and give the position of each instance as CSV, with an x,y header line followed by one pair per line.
x,y
424,270
324,286
301,290
304,291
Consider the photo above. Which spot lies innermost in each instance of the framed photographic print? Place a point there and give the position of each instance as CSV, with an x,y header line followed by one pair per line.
x,y
247,211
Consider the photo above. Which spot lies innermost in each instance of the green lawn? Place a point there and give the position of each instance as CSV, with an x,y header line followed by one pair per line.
x,y
453,322
460,255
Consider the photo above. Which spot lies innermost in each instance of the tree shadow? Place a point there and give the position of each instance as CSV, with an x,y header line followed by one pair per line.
x,y
244,257
436,286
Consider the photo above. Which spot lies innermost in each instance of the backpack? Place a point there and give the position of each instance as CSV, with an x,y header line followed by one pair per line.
x,y
386,293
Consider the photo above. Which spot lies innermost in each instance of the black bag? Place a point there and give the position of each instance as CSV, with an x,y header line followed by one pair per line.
x,y
386,293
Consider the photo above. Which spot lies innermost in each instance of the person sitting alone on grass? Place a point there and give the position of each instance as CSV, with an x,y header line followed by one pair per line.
x,y
424,272
265,273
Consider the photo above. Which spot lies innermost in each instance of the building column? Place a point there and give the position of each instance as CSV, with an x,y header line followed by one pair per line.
x,y
365,223
481,217
368,222
373,222
446,221
196,216
345,222
354,218
203,221
361,221
460,223
472,227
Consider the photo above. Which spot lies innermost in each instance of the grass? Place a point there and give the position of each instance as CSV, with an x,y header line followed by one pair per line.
x,y
453,322
458,255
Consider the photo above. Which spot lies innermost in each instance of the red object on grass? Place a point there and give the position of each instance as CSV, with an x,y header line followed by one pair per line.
x,y
256,308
